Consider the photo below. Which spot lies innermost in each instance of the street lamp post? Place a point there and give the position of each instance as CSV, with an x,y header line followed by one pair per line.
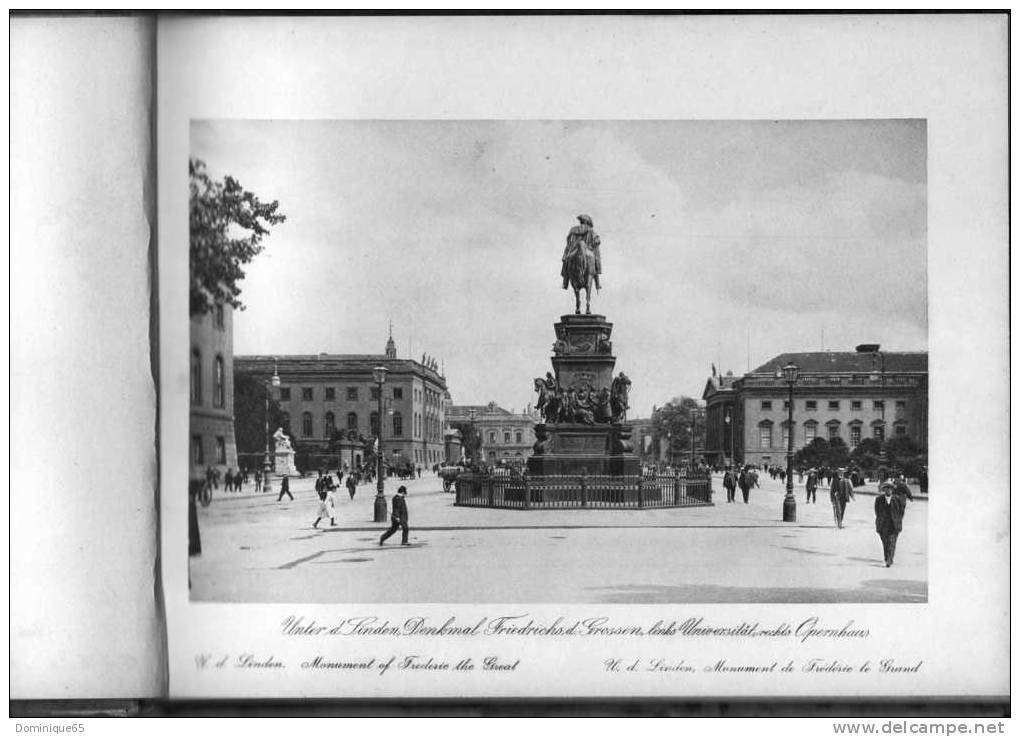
x,y
379,375
474,448
267,466
789,502
728,419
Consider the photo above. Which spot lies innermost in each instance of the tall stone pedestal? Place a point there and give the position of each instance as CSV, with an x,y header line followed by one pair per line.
x,y
285,463
587,442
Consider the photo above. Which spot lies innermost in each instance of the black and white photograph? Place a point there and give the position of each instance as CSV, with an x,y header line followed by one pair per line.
x,y
610,362
636,362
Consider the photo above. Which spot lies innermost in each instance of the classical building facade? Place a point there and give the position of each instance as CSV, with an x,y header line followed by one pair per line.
x,y
212,392
850,395
506,436
320,394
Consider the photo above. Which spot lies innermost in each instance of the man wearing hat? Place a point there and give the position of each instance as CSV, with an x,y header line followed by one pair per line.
x,y
889,508
584,232
841,492
398,518
811,486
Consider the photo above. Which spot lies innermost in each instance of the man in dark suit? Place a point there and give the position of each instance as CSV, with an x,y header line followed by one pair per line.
x,y
729,482
811,486
398,517
840,492
889,508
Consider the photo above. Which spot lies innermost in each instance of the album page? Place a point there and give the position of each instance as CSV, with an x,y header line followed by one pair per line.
x,y
583,356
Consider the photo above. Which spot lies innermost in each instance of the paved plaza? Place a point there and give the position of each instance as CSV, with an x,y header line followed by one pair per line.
x,y
259,550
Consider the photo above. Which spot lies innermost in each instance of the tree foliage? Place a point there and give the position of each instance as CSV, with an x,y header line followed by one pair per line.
x,y
227,224
820,452
470,439
250,413
672,422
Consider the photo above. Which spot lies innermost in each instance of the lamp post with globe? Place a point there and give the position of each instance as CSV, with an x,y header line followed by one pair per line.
x,y
789,374
267,465
379,375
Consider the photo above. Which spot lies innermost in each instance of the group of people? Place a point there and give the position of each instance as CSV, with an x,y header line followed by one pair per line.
x,y
745,477
233,480
326,487
890,504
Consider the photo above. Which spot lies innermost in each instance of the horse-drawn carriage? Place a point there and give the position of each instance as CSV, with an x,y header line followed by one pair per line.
x,y
449,475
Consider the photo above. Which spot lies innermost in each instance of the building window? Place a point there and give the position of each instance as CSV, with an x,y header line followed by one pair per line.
x,y
901,404
398,392
765,435
855,435
855,404
352,394
398,425
219,316
306,394
833,429
328,425
506,437
219,394
221,450
519,437
330,393
900,429
878,404
197,456
373,423
810,432
373,393
284,393
196,376
878,432
352,421
492,437
786,435
834,405
766,404
786,405
811,405
306,424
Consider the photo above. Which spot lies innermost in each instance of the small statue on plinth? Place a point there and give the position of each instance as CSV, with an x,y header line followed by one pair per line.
x,y
282,441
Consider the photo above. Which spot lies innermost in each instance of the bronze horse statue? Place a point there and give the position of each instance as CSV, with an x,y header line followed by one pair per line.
x,y
581,272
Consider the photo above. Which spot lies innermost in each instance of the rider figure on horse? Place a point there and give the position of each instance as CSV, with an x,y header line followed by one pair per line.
x,y
582,234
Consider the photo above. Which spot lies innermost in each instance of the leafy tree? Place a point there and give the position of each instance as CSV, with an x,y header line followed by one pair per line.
x,y
250,413
813,455
470,439
867,455
227,225
672,422
905,454
839,453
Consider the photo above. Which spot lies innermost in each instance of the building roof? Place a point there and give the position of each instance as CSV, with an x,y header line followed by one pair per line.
x,y
332,361
848,362
480,409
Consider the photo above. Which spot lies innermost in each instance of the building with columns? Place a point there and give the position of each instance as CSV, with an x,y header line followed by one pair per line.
x,y
850,395
321,394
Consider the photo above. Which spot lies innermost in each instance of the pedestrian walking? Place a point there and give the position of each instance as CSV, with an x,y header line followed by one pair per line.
x,y
889,509
729,482
398,517
327,505
840,493
900,487
352,484
285,488
812,487
744,481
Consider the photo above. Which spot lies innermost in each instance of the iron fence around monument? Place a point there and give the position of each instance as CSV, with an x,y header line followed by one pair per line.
x,y
677,489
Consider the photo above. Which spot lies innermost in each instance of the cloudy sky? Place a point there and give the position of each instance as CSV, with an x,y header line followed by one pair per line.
x,y
714,235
